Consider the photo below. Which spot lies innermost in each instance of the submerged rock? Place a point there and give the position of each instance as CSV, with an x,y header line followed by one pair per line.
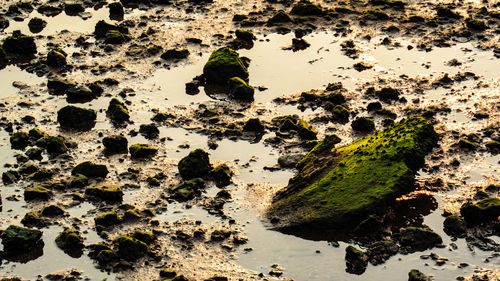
x,y
195,165
72,117
222,65
90,169
339,187
16,238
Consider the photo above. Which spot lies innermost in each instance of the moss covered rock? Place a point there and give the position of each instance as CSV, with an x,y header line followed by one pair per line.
x,y
356,260
19,140
53,144
37,192
240,90
72,117
115,144
416,275
56,58
222,65
485,210
107,219
130,248
142,151
114,37
418,239
102,28
221,175
175,54
90,170
454,226
187,190
108,193
10,176
195,165
279,17
339,187
306,8
253,125
117,111
70,240
16,238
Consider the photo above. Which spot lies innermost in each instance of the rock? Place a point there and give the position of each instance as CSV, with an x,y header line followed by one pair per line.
x,y
31,219
114,37
3,56
196,164
36,25
290,160
363,124
485,210
58,86
356,260
80,94
187,190
245,35
175,54
419,239
107,219
222,65
446,12
70,240
279,17
130,248
476,25
90,170
375,14
73,8
115,144
53,144
56,58
415,275
493,146
340,187
108,193
17,238
117,111
387,94
37,192
145,237
20,44
149,131
221,175
381,251
306,131
253,125
19,140
52,211
306,8
116,9
10,176
168,273
240,90
72,117
34,153
299,44
142,151
102,28
454,226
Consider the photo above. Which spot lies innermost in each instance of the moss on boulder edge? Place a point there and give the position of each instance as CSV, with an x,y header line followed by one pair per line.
x,y
339,187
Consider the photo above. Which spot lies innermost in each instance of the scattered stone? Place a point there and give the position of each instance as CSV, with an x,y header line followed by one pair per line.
x,y
90,170
415,275
419,239
72,117
70,240
196,164
221,175
115,144
175,54
107,219
149,131
37,192
356,260
222,65
108,193
483,211
279,17
363,124
52,211
20,44
130,248
117,111
454,226
240,90
56,58
138,151
17,238
187,190
253,125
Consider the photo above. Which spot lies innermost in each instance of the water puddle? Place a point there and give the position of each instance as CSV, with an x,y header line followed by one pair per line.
x,y
14,79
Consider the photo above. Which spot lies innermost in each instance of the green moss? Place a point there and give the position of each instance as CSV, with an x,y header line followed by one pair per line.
x,y
107,219
108,193
222,65
485,210
240,90
142,151
143,236
130,248
306,8
32,219
53,144
343,185
375,14
117,111
70,239
195,165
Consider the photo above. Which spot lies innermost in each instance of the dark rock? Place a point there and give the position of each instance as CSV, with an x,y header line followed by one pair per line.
x,y
415,275
454,226
149,131
117,111
130,248
73,8
221,175
115,37
381,251
279,17
419,239
253,125
222,65
53,144
72,117
483,211
108,193
115,144
56,58
306,8
142,151
195,165
175,54
187,190
107,219
356,260
363,124
10,176
18,238
240,90
36,25
102,28
90,169
20,44
116,9
19,140
59,86
70,240
290,160
37,192
52,211
245,35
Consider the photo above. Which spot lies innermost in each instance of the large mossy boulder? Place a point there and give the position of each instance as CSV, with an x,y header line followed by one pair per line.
x,y
306,8
37,192
117,111
195,165
16,238
142,151
70,240
339,187
222,65
76,118
130,248
485,210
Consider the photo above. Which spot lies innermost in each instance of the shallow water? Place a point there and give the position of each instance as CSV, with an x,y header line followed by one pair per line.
x,y
283,73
